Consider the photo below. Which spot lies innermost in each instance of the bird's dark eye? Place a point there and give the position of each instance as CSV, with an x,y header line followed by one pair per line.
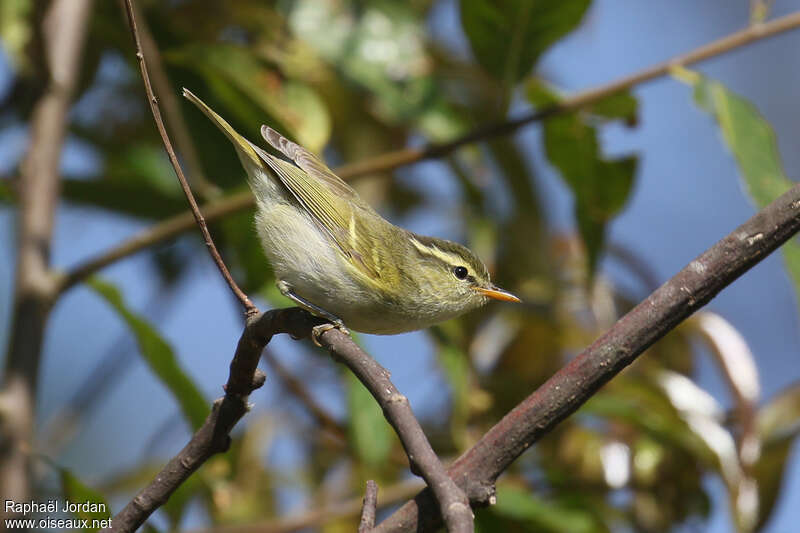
x,y
460,272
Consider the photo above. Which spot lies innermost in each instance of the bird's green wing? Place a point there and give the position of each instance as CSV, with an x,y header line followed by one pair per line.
x,y
314,167
332,204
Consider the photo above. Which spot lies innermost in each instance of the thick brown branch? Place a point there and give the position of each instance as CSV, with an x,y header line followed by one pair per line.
x,y
248,306
215,210
63,31
453,504
213,436
690,289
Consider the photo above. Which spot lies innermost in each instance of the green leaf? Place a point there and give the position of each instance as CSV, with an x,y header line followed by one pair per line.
x,y
641,403
158,355
370,433
622,105
456,368
294,107
508,36
360,40
90,504
778,425
524,506
137,199
748,136
601,186
6,192
16,31
752,142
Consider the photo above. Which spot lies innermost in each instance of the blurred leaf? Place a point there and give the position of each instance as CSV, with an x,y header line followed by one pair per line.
x,y
158,355
370,433
748,136
145,164
295,108
517,174
759,11
455,365
381,47
622,106
733,356
16,31
778,424
6,192
96,508
137,179
640,403
172,259
601,186
508,36
752,141
139,200
537,514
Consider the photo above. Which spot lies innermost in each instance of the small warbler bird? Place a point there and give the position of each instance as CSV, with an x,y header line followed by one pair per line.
x,y
336,257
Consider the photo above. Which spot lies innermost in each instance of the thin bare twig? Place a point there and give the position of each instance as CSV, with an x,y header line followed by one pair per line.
x,y
217,209
213,436
369,509
248,306
453,505
63,32
691,288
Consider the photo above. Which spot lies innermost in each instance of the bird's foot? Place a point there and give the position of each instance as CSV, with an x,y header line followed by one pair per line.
x,y
317,331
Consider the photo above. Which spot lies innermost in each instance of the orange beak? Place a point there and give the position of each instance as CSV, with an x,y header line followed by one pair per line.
x,y
498,294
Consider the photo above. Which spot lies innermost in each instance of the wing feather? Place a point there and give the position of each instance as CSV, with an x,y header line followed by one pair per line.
x,y
324,196
310,163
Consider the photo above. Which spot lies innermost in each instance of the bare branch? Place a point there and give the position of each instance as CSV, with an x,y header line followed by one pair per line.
x,y
63,31
453,504
687,291
213,436
215,210
248,306
369,509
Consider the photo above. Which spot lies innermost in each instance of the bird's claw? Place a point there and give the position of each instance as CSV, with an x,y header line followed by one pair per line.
x,y
317,331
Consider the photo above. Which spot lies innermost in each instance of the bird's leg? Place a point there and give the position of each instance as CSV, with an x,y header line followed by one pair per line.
x,y
316,331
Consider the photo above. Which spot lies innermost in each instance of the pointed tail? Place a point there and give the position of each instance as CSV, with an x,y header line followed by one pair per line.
x,y
242,145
